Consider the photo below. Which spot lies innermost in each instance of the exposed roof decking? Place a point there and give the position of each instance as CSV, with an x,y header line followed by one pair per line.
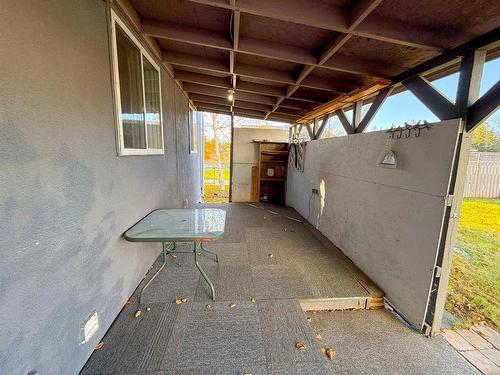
x,y
316,50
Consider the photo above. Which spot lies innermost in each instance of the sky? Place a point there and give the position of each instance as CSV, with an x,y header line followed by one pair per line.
x,y
406,107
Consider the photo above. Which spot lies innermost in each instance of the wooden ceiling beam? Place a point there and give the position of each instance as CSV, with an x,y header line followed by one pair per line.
x,y
192,61
200,98
261,48
257,88
317,13
203,79
355,16
193,88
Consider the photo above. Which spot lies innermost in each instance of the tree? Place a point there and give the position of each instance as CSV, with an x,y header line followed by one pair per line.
x,y
221,128
485,138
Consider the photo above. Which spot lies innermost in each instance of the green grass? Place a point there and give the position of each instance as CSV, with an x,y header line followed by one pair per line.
x,y
213,194
474,286
214,174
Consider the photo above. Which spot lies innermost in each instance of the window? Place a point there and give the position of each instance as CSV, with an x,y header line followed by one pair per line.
x,y
136,78
193,129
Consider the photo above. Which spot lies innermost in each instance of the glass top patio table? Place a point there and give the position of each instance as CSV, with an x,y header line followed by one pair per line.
x,y
178,225
197,225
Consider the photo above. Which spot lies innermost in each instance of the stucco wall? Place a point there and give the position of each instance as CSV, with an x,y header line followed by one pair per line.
x,y
65,196
246,155
387,221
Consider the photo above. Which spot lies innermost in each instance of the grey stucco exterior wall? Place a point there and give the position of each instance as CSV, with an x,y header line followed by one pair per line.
x,y
65,197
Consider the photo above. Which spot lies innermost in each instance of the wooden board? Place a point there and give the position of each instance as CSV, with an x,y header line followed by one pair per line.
x,y
254,197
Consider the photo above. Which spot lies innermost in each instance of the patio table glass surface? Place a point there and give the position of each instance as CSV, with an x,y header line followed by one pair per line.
x,y
165,225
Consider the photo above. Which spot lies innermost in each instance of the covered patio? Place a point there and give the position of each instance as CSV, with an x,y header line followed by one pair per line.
x,y
100,108
278,271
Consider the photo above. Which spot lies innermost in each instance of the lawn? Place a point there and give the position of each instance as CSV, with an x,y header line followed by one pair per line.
x,y
213,194
474,286
213,173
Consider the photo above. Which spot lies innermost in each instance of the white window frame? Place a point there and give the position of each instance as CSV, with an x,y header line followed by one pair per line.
x,y
121,149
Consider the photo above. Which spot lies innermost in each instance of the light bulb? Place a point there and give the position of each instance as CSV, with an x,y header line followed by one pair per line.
x,y
230,95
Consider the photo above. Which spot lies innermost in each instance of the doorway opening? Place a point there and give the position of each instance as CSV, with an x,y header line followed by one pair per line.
x,y
216,157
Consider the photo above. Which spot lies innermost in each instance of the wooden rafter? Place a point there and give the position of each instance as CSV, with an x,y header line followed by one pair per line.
x,y
355,17
317,13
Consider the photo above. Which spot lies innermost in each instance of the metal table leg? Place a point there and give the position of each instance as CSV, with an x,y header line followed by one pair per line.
x,y
210,252
164,251
202,271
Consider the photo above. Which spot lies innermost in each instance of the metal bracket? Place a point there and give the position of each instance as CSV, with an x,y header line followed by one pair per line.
x,y
426,329
448,200
437,272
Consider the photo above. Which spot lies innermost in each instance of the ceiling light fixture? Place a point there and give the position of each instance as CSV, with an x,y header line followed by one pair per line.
x,y
230,95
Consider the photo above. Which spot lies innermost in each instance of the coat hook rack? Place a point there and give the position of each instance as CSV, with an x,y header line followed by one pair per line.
x,y
408,129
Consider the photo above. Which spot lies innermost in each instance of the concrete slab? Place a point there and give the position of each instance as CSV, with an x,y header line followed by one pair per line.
x,y
375,342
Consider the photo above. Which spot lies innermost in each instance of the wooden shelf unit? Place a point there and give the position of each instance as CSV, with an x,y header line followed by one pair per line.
x,y
272,185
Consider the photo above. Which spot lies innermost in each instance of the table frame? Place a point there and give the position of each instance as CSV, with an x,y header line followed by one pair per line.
x,y
198,249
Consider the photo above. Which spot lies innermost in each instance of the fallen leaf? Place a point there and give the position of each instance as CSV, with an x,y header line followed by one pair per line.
x,y
128,303
209,306
323,349
318,336
309,319
270,255
99,346
253,300
330,353
232,305
173,256
178,301
184,300
300,346
137,313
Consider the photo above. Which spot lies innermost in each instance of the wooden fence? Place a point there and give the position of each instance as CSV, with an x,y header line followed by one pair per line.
x,y
483,175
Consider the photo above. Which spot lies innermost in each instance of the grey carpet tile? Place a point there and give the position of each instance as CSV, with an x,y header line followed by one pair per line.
x,y
258,369
262,254
232,234
375,342
172,283
269,236
219,336
231,283
131,343
283,324
301,368
331,280
229,253
278,281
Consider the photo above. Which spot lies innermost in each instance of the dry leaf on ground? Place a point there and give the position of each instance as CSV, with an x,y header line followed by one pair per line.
x,y
253,300
137,313
318,336
180,301
330,353
99,346
300,345
232,305
173,256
